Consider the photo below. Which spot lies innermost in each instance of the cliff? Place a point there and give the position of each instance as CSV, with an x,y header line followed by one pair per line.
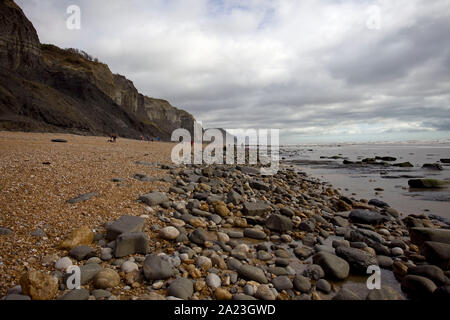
x,y
45,88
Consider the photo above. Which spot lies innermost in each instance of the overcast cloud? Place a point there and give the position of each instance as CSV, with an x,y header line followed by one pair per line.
x,y
311,68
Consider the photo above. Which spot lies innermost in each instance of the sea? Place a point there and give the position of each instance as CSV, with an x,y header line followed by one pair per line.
x,y
386,183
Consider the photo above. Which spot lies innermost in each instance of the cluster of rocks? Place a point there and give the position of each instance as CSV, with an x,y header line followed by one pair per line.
x,y
225,232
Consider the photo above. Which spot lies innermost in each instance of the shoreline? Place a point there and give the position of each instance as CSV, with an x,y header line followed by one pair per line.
x,y
214,211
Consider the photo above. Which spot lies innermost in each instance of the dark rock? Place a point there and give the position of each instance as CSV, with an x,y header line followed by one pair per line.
x,y
5,231
431,272
365,216
259,185
252,273
303,252
88,272
154,198
181,288
256,208
437,253
418,286
131,243
302,284
278,271
314,272
59,140
82,252
445,160
427,183
125,224
442,293
420,235
385,261
254,233
339,221
323,285
286,211
307,226
156,268
198,236
144,178
359,260
378,203
364,235
282,283
83,197
432,166
234,197
333,266
279,223
403,165
282,262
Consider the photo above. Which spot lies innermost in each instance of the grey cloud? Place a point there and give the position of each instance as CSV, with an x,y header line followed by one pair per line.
x,y
240,67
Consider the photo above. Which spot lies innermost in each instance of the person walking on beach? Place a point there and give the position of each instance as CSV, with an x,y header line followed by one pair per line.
x,y
113,138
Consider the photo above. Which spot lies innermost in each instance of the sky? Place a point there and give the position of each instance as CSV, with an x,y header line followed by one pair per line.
x,y
321,71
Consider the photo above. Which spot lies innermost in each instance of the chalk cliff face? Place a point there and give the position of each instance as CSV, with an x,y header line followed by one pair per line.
x,y
45,88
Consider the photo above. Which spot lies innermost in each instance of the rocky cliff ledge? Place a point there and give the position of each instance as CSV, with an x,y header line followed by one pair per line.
x,y
45,88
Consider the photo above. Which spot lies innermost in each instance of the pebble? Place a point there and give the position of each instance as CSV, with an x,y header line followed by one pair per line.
x,y
129,266
213,281
169,233
63,263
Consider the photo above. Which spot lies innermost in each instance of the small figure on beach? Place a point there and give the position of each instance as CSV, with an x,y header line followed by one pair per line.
x,y
142,138
159,139
113,138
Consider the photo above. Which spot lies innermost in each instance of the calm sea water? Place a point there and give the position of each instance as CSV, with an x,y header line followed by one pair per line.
x,y
361,182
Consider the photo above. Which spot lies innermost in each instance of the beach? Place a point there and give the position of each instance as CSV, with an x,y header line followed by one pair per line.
x,y
141,228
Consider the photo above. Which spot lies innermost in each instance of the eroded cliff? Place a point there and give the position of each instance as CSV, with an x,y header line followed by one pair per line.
x,y
45,88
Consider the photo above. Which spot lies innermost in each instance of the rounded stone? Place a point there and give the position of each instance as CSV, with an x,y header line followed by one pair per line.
x,y
63,263
397,251
106,278
264,293
169,233
213,281
129,266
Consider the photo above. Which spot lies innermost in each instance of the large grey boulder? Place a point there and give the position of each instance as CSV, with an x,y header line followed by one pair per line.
x,y
154,198
437,253
156,268
279,223
258,208
181,288
88,272
431,272
334,266
418,286
358,259
420,235
131,243
252,273
365,216
125,224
